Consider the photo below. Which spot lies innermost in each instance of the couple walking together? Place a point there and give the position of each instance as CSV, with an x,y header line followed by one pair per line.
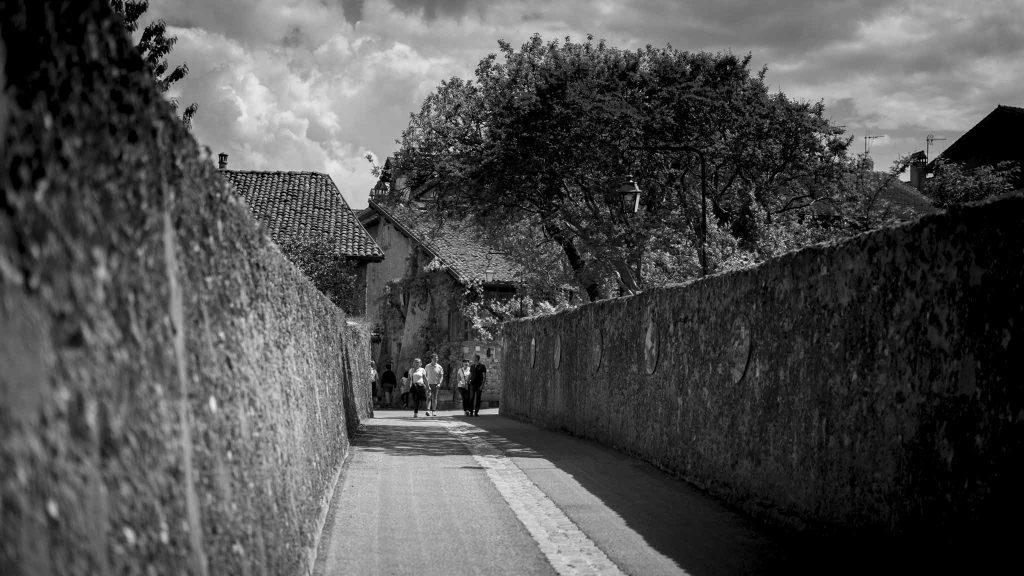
x,y
470,381
426,385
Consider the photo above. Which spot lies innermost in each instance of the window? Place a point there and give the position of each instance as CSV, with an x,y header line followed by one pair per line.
x,y
458,326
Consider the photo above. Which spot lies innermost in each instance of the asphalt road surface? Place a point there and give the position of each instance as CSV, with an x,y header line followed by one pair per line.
x,y
489,495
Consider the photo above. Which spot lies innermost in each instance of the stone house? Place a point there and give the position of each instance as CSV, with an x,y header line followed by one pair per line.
x,y
307,206
414,296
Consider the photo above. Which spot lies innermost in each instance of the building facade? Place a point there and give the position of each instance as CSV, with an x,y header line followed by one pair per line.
x,y
307,208
415,296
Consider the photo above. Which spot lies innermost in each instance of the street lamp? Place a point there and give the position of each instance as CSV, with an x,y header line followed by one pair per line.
x,y
630,194
488,275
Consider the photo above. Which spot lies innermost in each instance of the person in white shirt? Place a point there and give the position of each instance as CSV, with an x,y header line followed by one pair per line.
x,y
373,383
462,384
435,376
417,385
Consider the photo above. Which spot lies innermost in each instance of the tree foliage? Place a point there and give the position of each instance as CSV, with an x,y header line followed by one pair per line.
x,y
536,147
952,184
329,271
154,44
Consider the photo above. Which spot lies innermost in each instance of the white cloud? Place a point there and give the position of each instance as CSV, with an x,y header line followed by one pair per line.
x,y
318,84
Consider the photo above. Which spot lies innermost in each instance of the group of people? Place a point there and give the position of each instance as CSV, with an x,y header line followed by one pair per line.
x,y
423,384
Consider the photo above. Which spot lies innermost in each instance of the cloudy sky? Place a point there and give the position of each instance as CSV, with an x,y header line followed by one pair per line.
x,y
318,84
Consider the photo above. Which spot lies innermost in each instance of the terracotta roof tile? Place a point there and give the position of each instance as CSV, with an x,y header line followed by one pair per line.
x,y
457,245
905,197
295,205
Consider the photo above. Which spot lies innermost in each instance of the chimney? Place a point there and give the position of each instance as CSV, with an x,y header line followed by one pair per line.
x,y
918,169
222,161
918,174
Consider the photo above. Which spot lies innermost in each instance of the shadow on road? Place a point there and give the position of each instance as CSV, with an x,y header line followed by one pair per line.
x,y
701,534
707,536
401,438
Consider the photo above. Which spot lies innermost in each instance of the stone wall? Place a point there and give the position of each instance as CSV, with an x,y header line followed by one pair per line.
x,y
173,391
870,387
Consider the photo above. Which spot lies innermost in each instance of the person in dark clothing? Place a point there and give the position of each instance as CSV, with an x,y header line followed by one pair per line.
x,y
477,379
388,381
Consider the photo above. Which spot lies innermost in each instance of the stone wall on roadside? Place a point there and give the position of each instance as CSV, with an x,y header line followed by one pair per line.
x,y
872,386
174,394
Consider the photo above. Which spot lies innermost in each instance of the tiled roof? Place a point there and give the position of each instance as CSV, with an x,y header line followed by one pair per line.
x,y
993,138
456,245
294,205
905,197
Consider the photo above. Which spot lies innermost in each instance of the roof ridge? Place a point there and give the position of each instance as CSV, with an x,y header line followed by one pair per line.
x,y
275,172
457,246
304,204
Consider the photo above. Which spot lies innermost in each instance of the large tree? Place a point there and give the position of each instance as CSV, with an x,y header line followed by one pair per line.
x,y
154,44
537,146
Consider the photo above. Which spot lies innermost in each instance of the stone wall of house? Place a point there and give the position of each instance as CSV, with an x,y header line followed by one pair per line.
x,y
395,266
870,387
174,394
492,356
403,326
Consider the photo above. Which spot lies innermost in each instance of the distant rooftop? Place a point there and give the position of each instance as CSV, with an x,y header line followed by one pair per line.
x,y
902,196
304,205
994,139
456,246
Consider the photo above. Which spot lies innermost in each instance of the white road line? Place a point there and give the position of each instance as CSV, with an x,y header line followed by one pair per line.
x,y
567,548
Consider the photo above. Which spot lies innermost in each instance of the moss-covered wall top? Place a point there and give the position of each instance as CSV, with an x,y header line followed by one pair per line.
x,y
173,391
873,385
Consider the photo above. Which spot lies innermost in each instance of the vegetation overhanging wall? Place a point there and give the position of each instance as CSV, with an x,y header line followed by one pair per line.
x,y
172,390
872,386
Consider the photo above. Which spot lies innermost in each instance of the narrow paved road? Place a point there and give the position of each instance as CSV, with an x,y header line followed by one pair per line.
x,y
490,495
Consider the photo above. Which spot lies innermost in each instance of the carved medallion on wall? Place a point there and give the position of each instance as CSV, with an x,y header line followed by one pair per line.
x,y
651,344
737,353
533,351
596,348
558,350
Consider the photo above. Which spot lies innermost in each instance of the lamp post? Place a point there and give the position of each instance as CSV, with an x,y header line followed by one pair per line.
x,y
488,275
630,194
703,254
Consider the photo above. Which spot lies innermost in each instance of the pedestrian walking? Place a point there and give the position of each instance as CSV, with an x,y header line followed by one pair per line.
x,y
388,382
435,377
405,389
373,382
477,380
462,384
417,385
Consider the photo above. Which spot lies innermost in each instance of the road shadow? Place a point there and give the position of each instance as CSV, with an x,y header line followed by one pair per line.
x,y
702,535
401,437
707,536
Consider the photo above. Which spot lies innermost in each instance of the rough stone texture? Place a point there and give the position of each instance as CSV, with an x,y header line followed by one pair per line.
x,y
173,391
871,387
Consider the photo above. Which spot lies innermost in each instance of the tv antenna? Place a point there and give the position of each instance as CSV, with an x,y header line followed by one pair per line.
x,y
867,138
928,144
